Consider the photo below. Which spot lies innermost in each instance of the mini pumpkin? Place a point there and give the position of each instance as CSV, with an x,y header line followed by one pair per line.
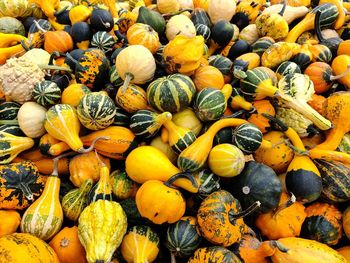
x,y
145,35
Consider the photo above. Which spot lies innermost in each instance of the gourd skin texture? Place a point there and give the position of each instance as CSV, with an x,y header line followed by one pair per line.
x,y
31,118
10,220
101,228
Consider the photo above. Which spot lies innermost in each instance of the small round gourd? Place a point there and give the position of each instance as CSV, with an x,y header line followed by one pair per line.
x,y
188,119
226,160
208,76
96,111
221,63
46,93
73,94
182,238
247,137
121,118
14,8
209,104
180,25
262,44
31,118
203,30
145,35
11,25
103,40
171,93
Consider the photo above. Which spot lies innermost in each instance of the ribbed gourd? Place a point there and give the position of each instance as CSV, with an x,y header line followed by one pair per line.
x,y
74,202
44,217
171,93
103,40
209,104
247,137
96,111
12,145
46,93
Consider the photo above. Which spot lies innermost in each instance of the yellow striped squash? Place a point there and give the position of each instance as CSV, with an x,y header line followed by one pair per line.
x,y
145,35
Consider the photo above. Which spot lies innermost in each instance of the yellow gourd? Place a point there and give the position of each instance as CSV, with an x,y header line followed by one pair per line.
x,y
10,220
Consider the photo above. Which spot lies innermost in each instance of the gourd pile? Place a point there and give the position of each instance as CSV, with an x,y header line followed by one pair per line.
x,y
175,131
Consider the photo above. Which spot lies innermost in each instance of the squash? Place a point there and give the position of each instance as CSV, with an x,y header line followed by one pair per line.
x,y
19,247
44,217
45,166
122,186
303,57
203,30
170,6
15,8
335,180
135,64
31,118
140,244
86,166
222,9
152,18
214,254
74,202
171,93
46,93
320,53
11,220
182,238
262,106
323,223
279,52
305,250
183,55
243,63
160,203
134,98
223,64
346,222
59,40
81,34
220,218
103,40
122,118
20,184
199,16
247,137
279,156
36,34
209,104
147,123
221,35
329,14
290,14
226,160
287,67
340,66
188,119
101,20
67,246
179,25
73,94
248,188
96,111
208,76
101,228
194,156
249,34
285,221
142,34
164,147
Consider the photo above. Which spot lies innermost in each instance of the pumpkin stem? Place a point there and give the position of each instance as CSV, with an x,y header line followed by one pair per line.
x,y
188,176
24,45
92,146
297,150
39,27
234,115
275,123
56,160
341,75
173,258
57,13
128,78
100,162
233,216
52,67
27,192
287,204
283,8
279,245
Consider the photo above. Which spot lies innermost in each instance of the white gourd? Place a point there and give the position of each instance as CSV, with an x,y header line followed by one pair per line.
x,y
31,118
180,25
221,10
168,6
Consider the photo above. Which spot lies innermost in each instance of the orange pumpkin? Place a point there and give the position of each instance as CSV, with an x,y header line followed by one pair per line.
x,y
317,102
133,99
208,77
285,221
67,246
262,106
60,41
145,35
10,220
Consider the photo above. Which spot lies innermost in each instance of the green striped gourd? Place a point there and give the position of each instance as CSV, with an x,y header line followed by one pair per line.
x,y
287,67
103,40
114,77
121,117
8,118
12,129
257,85
46,93
171,93
44,217
182,238
335,180
262,44
179,137
208,182
96,111
222,63
140,244
123,186
74,202
146,123
102,189
209,104
200,16
247,137
203,30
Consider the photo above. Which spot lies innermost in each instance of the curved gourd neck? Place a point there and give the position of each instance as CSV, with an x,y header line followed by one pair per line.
x,y
223,123
163,118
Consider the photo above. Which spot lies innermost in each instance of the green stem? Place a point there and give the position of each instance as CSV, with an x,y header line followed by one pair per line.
x,y
186,175
9,122
52,67
249,210
92,146
128,78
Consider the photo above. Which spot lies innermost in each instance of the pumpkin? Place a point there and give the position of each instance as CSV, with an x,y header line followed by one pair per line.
x,y
199,16
247,137
11,220
81,34
20,184
171,93
44,217
101,228
203,30
74,202
67,246
101,20
23,246
208,76
168,6
104,41
188,119
182,238
46,93
226,160
86,166
31,118
59,40
272,24
285,221
220,218
346,222
140,244
320,53
179,25
145,35
152,18
96,111
214,254
73,94
223,9
183,54
209,104
323,223
134,98
135,64
221,35
122,186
